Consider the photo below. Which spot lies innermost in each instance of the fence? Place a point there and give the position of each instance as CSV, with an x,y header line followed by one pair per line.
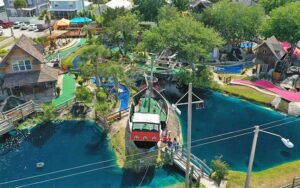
x,y
294,184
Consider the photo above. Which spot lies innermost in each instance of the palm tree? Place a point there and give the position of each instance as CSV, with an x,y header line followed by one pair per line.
x,y
90,31
113,69
47,19
18,4
95,54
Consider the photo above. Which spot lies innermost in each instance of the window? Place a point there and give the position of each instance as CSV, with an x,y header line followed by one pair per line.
x,y
28,65
21,66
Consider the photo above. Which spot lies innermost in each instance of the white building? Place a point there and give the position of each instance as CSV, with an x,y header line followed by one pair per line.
x,y
67,8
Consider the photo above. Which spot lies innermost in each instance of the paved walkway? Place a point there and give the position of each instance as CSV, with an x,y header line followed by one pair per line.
x,y
68,90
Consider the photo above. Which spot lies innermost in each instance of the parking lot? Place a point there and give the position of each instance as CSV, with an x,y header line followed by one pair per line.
x,y
30,34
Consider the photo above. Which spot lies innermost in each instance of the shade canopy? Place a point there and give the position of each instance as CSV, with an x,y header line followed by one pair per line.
x,y
63,23
120,4
81,20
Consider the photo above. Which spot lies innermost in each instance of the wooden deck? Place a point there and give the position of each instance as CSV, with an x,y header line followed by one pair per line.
x,y
8,118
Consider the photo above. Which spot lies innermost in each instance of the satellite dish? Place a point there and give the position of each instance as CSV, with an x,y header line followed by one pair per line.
x,y
287,143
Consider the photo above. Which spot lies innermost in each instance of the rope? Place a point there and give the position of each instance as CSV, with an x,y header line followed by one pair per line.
x,y
143,177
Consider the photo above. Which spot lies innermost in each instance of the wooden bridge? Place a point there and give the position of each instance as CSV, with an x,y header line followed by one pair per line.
x,y
8,118
198,168
117,115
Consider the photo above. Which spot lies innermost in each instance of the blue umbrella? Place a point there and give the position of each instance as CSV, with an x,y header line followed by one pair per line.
x,y
80,20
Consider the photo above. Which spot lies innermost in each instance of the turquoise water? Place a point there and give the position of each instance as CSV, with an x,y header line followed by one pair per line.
x,y
223,114
65,145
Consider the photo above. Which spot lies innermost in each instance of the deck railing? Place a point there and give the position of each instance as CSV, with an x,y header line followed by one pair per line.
x,y
294,184
65,104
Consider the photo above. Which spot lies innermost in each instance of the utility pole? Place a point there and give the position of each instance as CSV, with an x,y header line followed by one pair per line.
x,y
189,134
248,177
11,28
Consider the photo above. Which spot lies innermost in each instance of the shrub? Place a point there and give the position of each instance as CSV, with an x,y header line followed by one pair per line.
x,y
84,94
101,96
220,169
102,108
49,112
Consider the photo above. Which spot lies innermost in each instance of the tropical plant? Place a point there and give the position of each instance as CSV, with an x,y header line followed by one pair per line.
x,y
114,70
111,14
96,55
84,94
19,4
86,70
235,22
181,5
46,16
49,112
90,31
123,32
220,169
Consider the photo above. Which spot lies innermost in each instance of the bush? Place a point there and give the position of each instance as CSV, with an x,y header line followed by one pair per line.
x,y
49,112
220,169
84,94
250,78
101,96
102,108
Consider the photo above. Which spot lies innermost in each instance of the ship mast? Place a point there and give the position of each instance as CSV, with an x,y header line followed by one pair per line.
x,y
150,88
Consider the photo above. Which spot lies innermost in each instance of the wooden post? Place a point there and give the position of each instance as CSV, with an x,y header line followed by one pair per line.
x,y
294,182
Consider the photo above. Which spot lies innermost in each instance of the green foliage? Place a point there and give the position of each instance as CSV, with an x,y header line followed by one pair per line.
x,y
148,8
272,4
18,4
102,108
86,70
123,32
41,40
236,22
90,30
220,169
3,51
201,78
167,12
284,23
101,96
190,38
250,78
84,94
111,14
181,5
49,112
112,69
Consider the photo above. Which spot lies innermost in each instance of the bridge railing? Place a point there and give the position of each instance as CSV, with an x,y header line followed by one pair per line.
x,y
294,184
196,161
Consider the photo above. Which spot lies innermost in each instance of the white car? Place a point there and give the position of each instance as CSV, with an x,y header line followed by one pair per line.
x,y
31,27
24,26
17,25
1,30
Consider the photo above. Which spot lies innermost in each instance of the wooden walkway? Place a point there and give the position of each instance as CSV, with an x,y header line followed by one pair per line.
x,y
8,118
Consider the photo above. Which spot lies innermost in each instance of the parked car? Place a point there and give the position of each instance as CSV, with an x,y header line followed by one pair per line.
x,y
31,27
17,25
24,26
6,24
1,30
42,27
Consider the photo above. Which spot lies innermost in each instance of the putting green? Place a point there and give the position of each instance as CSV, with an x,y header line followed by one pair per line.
x,y
67,92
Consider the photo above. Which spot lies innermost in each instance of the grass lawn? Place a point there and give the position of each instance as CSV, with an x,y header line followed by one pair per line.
x,y
3,38
248,93
182,185
273,177
68,90
117,142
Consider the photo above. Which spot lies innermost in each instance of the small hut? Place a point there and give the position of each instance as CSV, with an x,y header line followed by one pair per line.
x,y
62,24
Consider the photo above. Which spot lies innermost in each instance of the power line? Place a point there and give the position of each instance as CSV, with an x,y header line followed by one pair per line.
x,y
280,124
78,173
90,164
144,176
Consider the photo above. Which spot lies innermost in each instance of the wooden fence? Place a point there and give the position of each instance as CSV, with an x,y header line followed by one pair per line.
x,y
294,184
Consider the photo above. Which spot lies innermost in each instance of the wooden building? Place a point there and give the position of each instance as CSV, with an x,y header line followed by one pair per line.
x,y
25,74
268,54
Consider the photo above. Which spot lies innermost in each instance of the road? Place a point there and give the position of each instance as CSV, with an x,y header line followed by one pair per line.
x,y
30,34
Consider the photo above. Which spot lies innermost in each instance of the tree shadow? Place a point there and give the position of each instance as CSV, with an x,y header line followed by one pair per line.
x,y
41,134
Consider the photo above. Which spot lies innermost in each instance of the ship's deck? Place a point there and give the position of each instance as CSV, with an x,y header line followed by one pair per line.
x,y
145,105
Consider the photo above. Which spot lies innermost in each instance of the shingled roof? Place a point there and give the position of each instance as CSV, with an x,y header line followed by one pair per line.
x,y
46,74
274,46
28,46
